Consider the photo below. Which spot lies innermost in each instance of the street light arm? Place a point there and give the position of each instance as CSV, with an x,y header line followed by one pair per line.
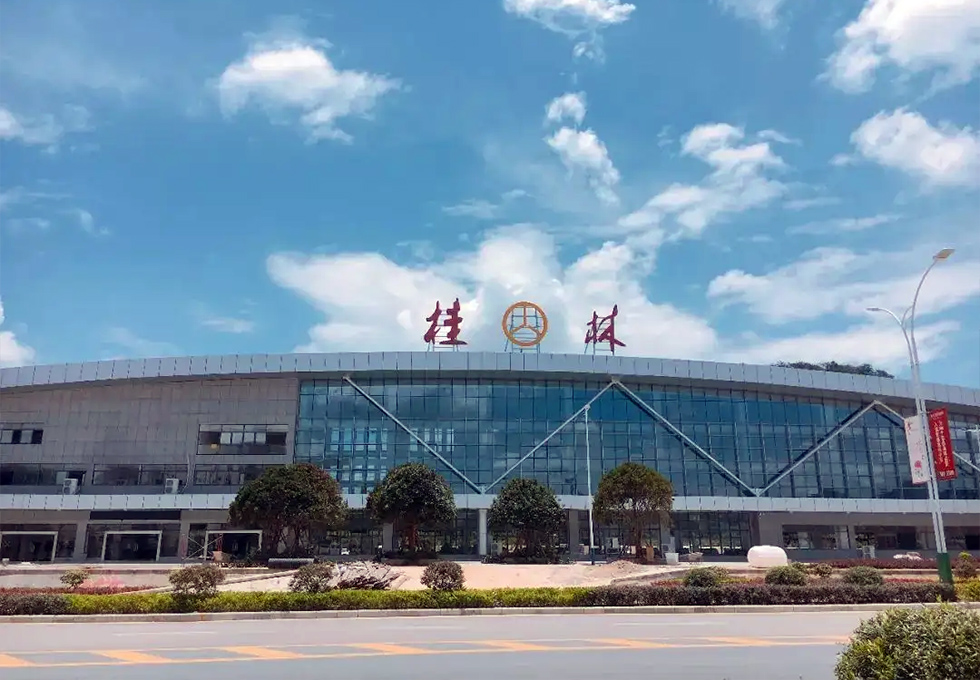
x,y
915,301
901,325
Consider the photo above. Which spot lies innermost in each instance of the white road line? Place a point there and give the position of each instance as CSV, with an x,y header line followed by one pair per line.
x,y
157,633
671,624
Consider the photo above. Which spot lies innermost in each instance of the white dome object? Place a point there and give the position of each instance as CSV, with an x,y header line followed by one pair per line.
x,y
766,556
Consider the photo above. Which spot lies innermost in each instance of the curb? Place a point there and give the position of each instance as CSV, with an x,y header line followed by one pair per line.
x,y
502,611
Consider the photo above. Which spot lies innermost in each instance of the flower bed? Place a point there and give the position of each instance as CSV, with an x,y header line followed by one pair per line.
x,y
62,590
607,596
884,563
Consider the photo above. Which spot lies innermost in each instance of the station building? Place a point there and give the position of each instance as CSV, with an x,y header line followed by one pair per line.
x,y
140,459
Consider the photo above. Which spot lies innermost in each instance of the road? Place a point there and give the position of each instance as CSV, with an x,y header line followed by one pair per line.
x,y
800,646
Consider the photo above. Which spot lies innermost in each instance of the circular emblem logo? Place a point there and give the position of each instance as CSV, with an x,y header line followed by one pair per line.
x,y
525,324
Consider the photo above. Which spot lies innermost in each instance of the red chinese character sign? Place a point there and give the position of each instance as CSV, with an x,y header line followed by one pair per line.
x,y
602,330
942,445
444,332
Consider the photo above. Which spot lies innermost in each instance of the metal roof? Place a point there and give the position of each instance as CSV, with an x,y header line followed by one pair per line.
x,y
736,376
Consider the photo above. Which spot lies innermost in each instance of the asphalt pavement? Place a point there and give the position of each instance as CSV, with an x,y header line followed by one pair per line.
x,y
778,646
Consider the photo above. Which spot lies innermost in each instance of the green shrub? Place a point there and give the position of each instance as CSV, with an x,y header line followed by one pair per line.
x,y
786,576
917,644
965,567
863,576
74,578
312,578
200,580
969,591
130,603
607,596
761,594
821,570
31,604
705,577
802,566
443,576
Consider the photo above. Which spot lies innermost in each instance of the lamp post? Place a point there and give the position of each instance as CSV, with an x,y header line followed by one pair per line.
x,y
907,323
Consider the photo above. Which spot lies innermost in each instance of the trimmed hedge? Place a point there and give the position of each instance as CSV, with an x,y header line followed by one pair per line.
x,y
749,594
884,564
607,596
61,590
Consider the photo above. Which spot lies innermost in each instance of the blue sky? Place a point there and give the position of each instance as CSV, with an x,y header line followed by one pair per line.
x,y
742,177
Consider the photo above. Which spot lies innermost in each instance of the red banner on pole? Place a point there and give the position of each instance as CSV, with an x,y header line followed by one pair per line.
x,y
942,445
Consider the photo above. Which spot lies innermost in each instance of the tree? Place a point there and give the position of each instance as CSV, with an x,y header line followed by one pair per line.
x,y
291,504
834,367
530,510
635,496
411,495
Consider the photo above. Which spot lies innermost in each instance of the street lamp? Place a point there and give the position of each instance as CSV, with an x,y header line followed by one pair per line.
x,y
907,323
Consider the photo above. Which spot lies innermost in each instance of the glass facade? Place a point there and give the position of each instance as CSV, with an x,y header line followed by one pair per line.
x,y
483,427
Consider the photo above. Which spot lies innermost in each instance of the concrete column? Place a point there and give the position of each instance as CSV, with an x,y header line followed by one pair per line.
x,y
78,555
481,541
185,531
770,529
388,537
667,541
574,534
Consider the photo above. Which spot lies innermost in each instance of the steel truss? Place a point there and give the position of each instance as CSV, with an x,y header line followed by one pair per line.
x,y
688,442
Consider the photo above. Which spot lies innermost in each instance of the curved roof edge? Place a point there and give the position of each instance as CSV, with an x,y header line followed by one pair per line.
x,y
485,362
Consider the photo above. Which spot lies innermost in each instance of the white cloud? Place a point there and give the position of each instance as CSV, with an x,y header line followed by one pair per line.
x,y
86,221
840,281
45,130
844,224
481,209
878,343
580,20
134,346
508,265
815,202
222,323
763,12
570,105
478,208
583,151
913,35
737,183
228,324
778,137
372,303
904,140
294,74
60,47
12,351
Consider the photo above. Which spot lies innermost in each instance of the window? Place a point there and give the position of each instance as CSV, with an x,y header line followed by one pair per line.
x,y
242,440
21,435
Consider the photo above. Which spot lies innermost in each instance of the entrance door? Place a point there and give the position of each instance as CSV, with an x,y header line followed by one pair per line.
x,y
131,546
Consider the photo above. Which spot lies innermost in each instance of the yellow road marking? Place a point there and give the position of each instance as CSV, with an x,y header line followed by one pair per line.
x,y
371,649
744,642
392,649
515,646
7,661
635,644
263,652
131,656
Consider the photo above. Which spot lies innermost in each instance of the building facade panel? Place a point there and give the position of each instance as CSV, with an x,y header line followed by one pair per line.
x,y
739,443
